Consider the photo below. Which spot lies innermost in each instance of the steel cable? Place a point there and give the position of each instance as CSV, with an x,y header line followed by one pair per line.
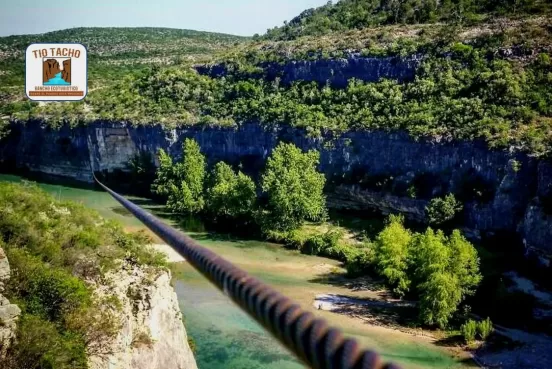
x,y
311,339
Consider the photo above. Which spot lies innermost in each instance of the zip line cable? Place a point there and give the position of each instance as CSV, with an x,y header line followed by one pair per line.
x,y
315,343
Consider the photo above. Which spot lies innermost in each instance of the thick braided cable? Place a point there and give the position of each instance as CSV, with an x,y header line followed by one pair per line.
x,y
310,339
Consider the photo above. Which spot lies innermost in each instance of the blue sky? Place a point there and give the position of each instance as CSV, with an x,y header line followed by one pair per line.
x,y
240,17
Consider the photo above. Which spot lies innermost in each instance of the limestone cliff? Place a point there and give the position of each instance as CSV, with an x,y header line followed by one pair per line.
x,y
505,190
336,72
152,335
9,313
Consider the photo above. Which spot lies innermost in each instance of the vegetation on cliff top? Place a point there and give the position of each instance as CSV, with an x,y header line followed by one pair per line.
x,y
488,81
57,252
344,15
464,96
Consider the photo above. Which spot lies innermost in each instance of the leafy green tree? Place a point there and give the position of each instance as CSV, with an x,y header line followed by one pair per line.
x,y
165,176
464,263
294,188
392,254
230,195
440,296
445,271
442,210
429,255
182,183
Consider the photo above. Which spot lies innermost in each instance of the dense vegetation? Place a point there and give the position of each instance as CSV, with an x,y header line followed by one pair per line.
x,y
441,271
466,95
57,251
358,14
490,81
292,189
438,270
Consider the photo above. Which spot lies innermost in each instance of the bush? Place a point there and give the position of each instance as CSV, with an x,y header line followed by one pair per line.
x,y
469,330
49,292
40,345
442,210
485,328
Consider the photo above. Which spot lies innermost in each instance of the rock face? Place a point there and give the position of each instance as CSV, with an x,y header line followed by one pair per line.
x,y
336,72
504,191
152,335
8,312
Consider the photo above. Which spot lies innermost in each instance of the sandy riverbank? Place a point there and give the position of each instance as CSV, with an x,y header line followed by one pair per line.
x,y
172,255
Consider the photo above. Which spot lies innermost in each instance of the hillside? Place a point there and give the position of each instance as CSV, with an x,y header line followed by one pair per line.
x,y
360,14
85,287
486,80
113,52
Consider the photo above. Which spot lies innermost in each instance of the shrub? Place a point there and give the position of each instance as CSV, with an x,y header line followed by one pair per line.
x,y
442,210
469,330
142,339
485,328
48,291
193,346
40,345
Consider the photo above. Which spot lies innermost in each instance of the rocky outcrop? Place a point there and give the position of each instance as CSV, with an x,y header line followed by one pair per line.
x,y
9,313
336,72
502,190
152,335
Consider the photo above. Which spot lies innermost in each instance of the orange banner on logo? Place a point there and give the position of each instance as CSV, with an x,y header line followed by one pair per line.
x,y
56,93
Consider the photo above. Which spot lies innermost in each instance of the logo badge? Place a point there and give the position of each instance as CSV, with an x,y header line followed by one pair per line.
x,y
56,72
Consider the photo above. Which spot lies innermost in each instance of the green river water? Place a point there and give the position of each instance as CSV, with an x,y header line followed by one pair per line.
x,y
225,337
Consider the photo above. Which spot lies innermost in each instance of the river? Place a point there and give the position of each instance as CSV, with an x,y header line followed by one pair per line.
x,y
225,337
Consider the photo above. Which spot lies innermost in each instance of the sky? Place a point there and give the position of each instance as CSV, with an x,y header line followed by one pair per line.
x,y
239,17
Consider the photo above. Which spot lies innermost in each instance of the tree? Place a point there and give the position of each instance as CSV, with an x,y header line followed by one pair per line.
x,y
230,195
429,255
392,254
182,183
439,298
441,210
165,176
445,271
294,188
464,263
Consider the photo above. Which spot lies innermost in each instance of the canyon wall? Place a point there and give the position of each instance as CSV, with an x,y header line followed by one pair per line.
x,y
152,335
503,192
9,313
336,72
